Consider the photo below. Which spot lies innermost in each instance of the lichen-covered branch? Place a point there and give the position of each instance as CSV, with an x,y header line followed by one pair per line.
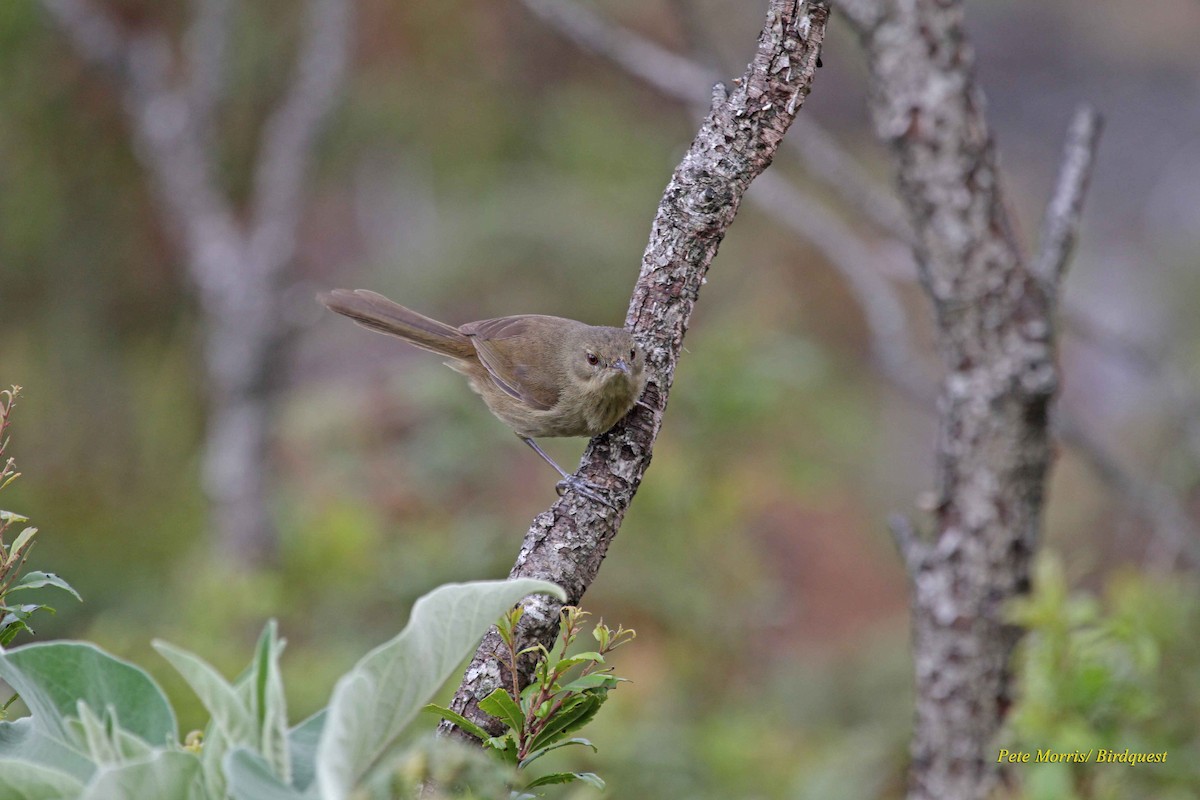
x,y
995,320
736,142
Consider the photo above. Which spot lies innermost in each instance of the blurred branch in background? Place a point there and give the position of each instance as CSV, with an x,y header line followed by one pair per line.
x,y
866,268
995,314
1174,538
789,205
736,142
1175,534
1060,228
237,262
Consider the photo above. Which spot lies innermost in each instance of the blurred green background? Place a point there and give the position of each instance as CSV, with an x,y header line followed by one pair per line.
x,y
481,165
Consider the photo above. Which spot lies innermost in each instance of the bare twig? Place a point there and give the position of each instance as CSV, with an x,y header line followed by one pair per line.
x,y
1061,225
826,160
736,142
287,140
912,550
1175,534
686,80
96,36
887,321
167,140
671,74
205,47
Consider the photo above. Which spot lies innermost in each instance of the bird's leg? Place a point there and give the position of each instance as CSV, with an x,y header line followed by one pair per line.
x,y
568,481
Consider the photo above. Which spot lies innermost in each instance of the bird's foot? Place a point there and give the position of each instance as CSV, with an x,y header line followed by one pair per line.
x,y
581,488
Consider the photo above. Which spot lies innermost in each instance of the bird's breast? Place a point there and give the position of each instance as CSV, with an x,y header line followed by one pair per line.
x,y
608,405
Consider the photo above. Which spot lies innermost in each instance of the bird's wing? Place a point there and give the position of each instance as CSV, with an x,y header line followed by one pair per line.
x,y
494,341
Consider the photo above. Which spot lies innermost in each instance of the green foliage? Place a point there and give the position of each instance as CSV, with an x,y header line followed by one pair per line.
x,y
565,694
443,768
100,728
1118,673
15,618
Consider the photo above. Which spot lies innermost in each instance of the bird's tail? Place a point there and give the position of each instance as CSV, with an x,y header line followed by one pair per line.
x,y
376,312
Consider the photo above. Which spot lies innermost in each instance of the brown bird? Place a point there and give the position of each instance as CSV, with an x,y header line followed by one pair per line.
x,y
541,376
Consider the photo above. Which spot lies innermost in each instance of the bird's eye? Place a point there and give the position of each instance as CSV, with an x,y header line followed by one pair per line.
x,y
632,353
593,359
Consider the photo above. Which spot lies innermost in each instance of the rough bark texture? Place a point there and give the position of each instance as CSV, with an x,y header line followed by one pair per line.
x,y
237,268
995,334
736,142
868,268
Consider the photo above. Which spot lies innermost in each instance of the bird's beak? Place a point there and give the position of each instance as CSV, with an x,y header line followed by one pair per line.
x,y
621,365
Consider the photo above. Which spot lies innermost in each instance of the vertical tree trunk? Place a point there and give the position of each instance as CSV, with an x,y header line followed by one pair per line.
x,y
241,359
995,322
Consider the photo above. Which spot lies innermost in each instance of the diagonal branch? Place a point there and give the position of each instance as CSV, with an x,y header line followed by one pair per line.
x,y
863,268
669,73
735,143
858,264
205,46
96,36
1175,533
1061,225
167,141
285,149
800,212
686,80
827,161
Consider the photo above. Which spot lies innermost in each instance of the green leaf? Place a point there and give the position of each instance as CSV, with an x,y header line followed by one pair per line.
x,y
601,634
36,580
168,774
527,695
229,714
501,705
373,703
581,658
52,678
535,755
12,518
571,717
506,626
270,705
596,680
590,778
505,747
249,777
459,720
212,759
22,740
20,542
302,745
14,621
22,780
103,739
